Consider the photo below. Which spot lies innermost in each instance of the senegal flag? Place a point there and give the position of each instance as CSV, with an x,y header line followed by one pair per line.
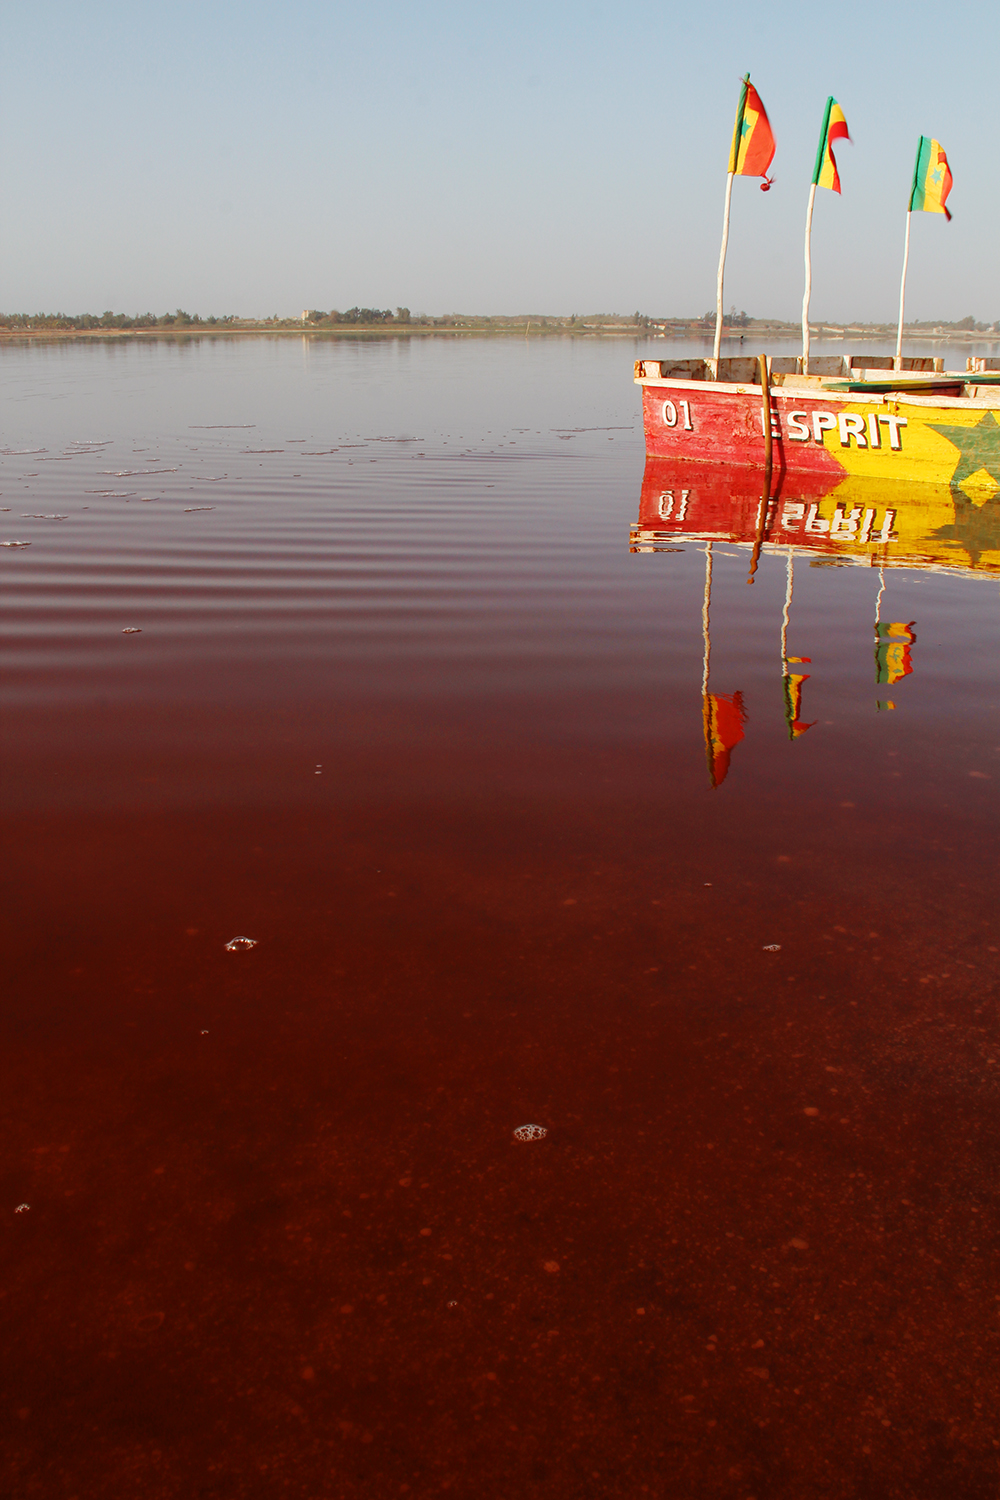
x,y
724,717
931,179
834,129
753,144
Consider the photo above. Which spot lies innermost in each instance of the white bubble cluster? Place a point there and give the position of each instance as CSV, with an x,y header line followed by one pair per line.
x,y
530,1133
772,947
237,944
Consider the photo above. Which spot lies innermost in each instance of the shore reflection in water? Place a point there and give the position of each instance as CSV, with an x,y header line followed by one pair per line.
x,y
268,1226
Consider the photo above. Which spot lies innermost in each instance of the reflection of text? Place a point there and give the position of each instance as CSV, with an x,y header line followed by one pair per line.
x,y
854,525
667,502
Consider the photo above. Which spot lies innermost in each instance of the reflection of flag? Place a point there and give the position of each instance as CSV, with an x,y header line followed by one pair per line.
x,y
724,717
753,144
931,179
793,703
834,129
893,640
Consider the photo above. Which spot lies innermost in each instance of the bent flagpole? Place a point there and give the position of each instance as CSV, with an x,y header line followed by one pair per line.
x,y
734,152
722,266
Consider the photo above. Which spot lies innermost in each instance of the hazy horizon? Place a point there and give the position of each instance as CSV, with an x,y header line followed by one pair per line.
x,y
561,321
237,159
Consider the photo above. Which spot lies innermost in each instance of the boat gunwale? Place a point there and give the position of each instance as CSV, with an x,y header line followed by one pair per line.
x,y
988,401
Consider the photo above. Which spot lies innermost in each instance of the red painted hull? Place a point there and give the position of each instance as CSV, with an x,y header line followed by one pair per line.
x,y
925,427
723,425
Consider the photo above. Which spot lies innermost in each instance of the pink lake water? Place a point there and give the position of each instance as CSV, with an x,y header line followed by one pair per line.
x,y
342,647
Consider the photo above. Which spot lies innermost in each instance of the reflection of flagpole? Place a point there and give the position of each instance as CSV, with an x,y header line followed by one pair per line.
x,y
786,685
723,714
791,682
784,614
881,704
704,618
706,702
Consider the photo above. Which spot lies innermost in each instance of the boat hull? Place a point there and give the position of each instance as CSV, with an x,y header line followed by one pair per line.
x,y
936,439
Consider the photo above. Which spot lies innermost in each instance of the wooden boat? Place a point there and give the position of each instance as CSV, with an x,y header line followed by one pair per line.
x,y
873,418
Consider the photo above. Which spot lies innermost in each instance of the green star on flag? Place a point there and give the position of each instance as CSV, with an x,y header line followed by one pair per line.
x,y
978,448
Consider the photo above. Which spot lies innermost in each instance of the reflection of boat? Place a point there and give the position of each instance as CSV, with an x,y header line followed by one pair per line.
x,y
850,520
838,516
862,420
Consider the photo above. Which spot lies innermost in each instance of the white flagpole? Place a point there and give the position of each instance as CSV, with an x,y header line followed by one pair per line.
x,y
722,267
902,293
809,280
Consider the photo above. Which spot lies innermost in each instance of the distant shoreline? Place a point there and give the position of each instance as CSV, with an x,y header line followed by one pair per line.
x,y
756,334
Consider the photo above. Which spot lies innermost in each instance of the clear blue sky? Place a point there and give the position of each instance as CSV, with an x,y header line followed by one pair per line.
x,y
542,156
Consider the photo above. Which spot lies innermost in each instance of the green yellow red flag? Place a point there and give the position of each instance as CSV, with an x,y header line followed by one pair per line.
x,y
825,173
724,717
932,181
793,702
893,640
752,150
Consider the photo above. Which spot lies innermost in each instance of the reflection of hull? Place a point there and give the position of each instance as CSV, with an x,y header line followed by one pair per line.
x,y
949,435
837,514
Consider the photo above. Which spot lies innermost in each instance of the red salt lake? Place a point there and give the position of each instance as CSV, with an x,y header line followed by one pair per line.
x,y
349,649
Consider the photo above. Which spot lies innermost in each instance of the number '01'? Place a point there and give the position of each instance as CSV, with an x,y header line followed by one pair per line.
x,y
670,415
